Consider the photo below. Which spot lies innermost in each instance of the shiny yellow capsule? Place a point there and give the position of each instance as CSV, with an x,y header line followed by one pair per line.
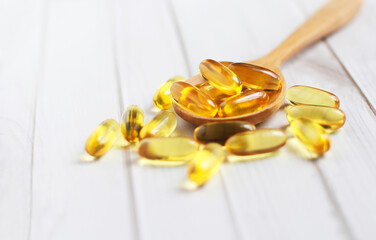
x,y
328,117
220,77
256,142
103,138
168,148
206,163
132,122
162,98
219,132
214,93
256,77
162,125
311,96
311,134
192,99
244,103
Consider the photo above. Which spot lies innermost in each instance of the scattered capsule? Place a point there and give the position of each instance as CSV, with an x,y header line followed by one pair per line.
x,y
311,134
192,99
244,103
103,138
162,125
162,98
256,142
256,77
206,163
132,122
329,118
214,93
311,96
168,148
219,132
220,77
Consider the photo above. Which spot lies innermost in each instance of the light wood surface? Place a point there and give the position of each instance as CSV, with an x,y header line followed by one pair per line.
x,y
326,20
65,66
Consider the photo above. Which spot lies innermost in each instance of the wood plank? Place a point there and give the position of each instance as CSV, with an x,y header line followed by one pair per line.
x,y
20,65
149,54
74,199
286,190
351,176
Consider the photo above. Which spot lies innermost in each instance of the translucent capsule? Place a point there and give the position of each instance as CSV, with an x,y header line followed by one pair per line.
x,y
103,138
256,77
162,125
206,163
220,77
244,103
311,134
226,63
256,142
162,98
168,148
219,132
214,93
311,96
192,99
328,117
132,122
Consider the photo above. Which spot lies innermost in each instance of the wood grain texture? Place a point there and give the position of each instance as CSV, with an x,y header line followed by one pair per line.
x,y
20,69
74,199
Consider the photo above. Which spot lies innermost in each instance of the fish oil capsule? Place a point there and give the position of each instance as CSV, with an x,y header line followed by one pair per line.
x,y
103,138
311,134
311,96
214,93
168,148
219,132
226,63
220,77
206,163
162,98
244,103
162,125
256,77
256,142
132,121
329,118
192,99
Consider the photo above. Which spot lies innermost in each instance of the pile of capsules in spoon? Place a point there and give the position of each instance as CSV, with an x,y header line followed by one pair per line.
x,y
230,89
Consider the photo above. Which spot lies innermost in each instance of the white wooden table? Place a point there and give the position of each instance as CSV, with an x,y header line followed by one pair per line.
x,y
66,65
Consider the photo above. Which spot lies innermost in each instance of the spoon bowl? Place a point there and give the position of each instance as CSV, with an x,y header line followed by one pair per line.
x,y
326,20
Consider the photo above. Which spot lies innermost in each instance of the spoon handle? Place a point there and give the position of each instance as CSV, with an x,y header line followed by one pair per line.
x,y
326,20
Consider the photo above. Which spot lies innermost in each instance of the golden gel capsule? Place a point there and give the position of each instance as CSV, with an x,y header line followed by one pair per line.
x,y
192,99
256,142
214,93
162,125
206,163
219,132
168,148
244,103
311,134
162,98
220,77
311,96
328,117
256,77
103,138
132,121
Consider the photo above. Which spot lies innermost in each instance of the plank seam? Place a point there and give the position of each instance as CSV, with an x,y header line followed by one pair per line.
x,y
179,36
127,159
38,82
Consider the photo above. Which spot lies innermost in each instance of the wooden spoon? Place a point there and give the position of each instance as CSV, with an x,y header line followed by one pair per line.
x,y
329,18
